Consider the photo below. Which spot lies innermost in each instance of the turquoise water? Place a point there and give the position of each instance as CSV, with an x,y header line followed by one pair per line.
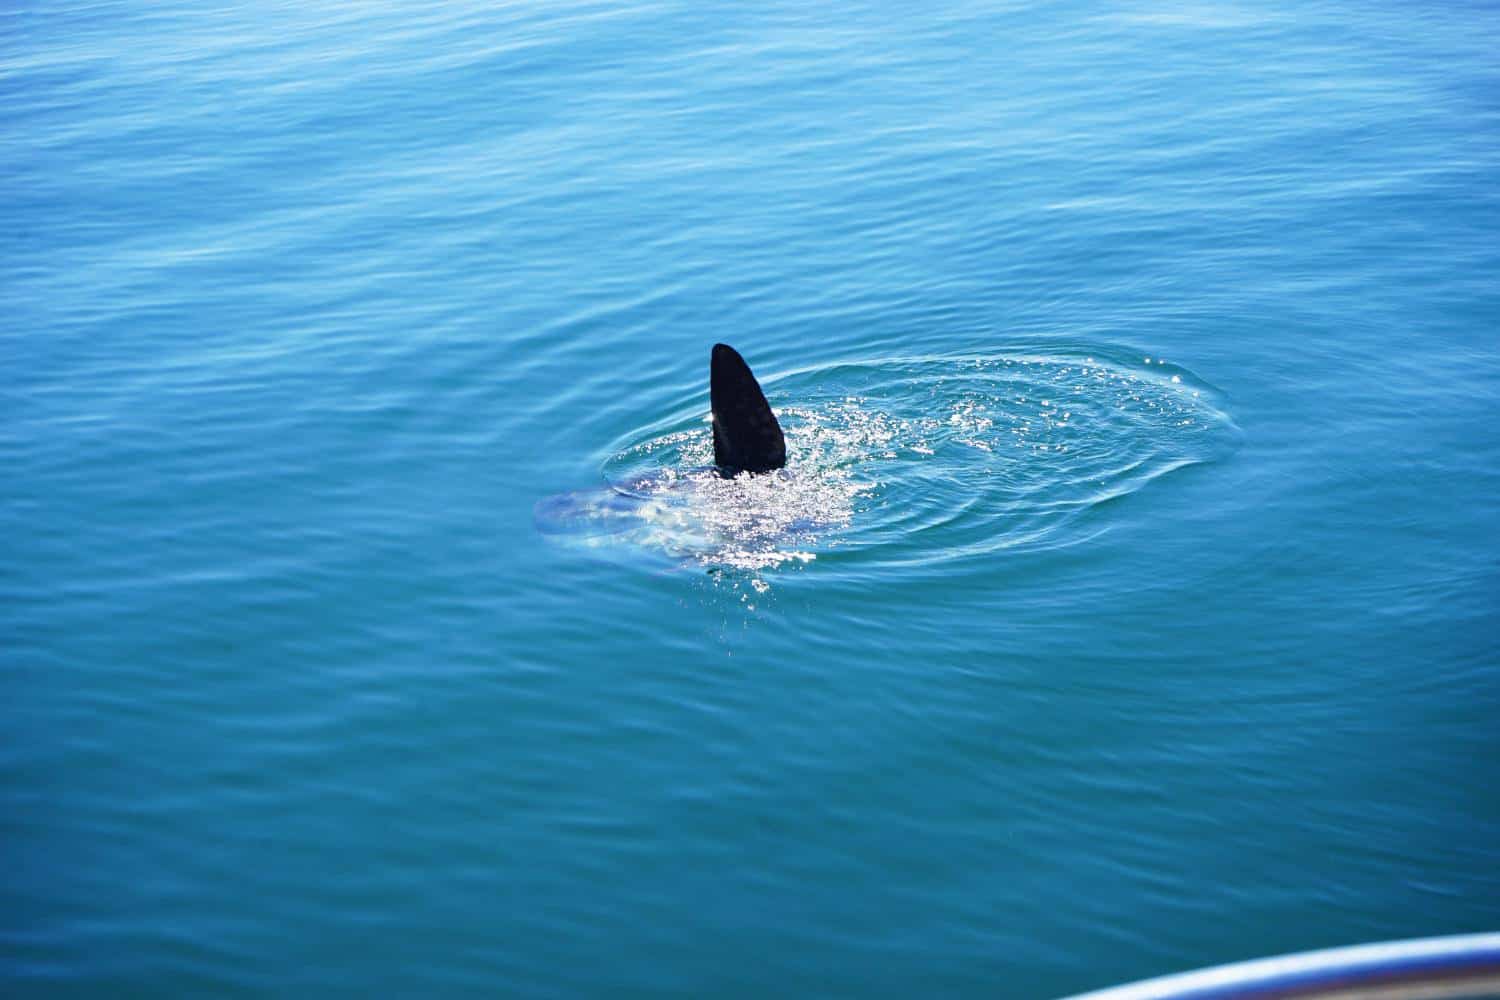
x,y
1130,603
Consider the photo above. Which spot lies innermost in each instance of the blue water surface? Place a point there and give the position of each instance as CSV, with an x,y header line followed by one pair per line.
x,y
1130,603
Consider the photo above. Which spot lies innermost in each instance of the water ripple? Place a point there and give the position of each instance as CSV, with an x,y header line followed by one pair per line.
x,y
907,461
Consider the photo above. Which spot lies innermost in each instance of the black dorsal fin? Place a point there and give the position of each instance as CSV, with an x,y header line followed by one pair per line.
x,y
747,437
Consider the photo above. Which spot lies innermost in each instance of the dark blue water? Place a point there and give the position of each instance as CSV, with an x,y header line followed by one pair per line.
x,y
1130,603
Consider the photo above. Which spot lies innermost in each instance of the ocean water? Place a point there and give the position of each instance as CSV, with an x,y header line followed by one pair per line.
x,y
368,622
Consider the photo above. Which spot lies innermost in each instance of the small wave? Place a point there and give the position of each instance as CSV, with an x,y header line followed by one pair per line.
x,y
910,460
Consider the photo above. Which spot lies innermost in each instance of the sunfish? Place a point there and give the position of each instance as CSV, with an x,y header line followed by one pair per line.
x,y
747,437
